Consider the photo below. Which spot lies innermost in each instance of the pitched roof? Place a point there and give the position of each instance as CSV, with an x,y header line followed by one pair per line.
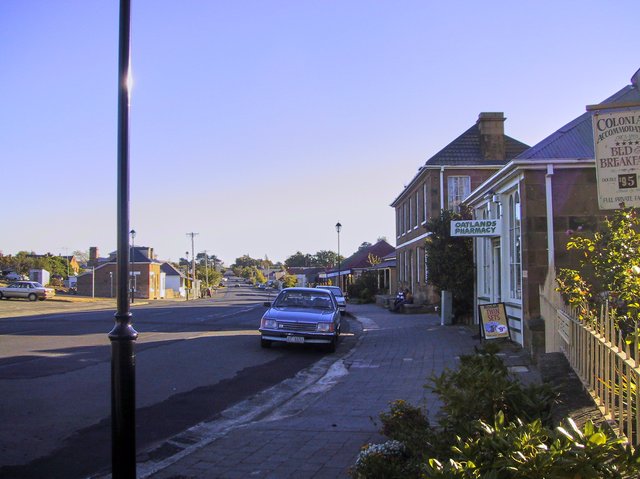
x,y
170,270
575,139
360,259
465,151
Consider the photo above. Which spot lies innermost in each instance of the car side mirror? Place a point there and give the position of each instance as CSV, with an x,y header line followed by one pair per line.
x,y
267,304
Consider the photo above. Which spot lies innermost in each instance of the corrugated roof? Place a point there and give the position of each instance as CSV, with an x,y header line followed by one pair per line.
x,y
575,139
360,259
465,151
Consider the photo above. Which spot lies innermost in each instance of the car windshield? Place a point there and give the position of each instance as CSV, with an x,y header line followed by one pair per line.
x,y
304,299
334,289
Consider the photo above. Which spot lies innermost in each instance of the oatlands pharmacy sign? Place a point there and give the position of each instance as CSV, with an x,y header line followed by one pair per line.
x,y
617,149
475,228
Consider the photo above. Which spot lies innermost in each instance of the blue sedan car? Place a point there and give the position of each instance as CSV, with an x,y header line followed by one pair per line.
x,y
301,316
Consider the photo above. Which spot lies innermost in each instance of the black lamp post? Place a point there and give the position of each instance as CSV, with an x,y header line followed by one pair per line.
x,y
123,336
338,228
133,253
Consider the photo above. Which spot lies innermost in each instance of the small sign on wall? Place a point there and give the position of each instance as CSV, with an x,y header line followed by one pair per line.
x,y
494,323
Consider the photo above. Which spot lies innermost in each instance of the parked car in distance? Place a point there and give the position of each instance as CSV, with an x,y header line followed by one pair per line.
x,y
337,293
30,290
301,316
13,276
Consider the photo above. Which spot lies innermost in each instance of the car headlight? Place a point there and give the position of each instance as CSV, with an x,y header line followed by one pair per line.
x,y
269,323
324,327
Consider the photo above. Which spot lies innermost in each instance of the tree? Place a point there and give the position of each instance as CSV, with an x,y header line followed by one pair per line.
x,y
289,281
609,269
450,259
326,258
299,260
247,260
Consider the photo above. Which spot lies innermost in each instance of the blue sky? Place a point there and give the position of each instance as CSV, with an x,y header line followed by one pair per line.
x,y
260,124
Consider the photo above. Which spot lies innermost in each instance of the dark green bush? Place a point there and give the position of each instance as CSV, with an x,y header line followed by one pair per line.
x,y
482,387
520,443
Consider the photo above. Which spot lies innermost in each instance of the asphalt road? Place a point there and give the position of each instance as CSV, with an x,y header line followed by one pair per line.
x,y
193,360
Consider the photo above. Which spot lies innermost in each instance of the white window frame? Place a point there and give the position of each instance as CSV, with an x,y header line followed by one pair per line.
x,y
458,188
425,211
515,246
417,209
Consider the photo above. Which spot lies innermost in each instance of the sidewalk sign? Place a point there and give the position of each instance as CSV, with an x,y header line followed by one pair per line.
x,y
493,321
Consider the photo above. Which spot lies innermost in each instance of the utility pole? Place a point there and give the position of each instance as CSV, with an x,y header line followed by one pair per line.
x,y
193,258
206,267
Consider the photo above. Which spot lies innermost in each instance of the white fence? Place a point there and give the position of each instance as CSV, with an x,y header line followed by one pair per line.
x,y
607,365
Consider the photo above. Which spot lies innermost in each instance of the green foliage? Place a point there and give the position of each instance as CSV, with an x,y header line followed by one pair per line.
x,y
450,259
609,269
289,281
247,261
24,261
506,435
519,450
481,387
407,424
324,259
365,287
381,461
260,278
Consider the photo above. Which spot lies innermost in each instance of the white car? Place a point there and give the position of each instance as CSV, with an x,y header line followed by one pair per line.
x,y
30,290
340,299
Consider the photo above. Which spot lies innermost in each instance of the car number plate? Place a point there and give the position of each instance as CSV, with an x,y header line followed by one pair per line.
x,y
295,339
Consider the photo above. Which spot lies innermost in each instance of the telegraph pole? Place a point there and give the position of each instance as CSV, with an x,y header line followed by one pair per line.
x,y
193,258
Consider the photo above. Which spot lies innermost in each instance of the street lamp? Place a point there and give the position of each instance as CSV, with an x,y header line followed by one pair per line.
x,y
133,253
338,228
123,335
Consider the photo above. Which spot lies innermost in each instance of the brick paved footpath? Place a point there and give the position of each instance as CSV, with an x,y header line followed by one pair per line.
x,y
317,431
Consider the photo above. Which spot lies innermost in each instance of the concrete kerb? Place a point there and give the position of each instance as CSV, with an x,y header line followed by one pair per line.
x,y
272,404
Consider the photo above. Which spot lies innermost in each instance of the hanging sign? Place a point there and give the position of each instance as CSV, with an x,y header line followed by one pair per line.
x,y
616,136
493,321
475,228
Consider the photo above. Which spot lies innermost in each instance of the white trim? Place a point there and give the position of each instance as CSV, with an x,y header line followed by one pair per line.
x,y
417,238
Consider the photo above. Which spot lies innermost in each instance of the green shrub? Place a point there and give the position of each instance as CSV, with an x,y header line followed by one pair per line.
x,y
481,387
381,461
521,444
519,450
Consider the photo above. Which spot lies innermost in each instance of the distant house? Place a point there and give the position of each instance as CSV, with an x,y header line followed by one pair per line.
x,y
175,281
146,277
307,275
544,192
441,184
352,267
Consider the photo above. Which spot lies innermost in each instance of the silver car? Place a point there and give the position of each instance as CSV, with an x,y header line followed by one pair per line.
x,y
301,316
340,299
26,289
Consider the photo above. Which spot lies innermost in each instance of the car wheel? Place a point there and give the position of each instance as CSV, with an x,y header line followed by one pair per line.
x,y
32,297
1,296
265,343
331,347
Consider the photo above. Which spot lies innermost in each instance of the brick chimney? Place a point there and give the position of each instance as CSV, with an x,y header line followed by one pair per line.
x,y
491,126
93,254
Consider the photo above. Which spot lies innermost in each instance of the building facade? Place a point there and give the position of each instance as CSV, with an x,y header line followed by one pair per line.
x,y
542,196
442,183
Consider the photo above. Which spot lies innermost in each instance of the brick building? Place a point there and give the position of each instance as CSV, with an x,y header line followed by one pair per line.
x,y
147,278
539,196
442,183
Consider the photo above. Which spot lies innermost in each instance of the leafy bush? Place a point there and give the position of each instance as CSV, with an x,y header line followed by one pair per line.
x,y
519,450
381,461
481,387
364,288
521,444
